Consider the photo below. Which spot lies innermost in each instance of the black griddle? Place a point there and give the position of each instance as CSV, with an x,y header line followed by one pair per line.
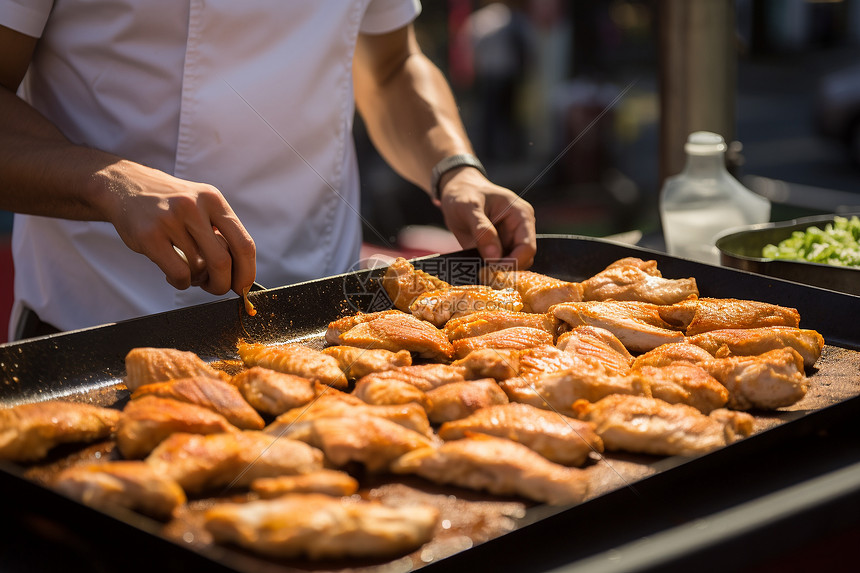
x,y
88,365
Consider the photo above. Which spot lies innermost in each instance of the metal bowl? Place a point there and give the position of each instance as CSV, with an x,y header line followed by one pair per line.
x,y
741,248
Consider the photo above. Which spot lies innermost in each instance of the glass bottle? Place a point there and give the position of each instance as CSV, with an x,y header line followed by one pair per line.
x,y
704,200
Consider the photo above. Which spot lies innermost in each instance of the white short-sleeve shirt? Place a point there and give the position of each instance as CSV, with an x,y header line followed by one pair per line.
x,y
254,97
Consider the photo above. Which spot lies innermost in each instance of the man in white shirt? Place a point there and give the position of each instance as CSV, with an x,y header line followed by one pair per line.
x,y
133,128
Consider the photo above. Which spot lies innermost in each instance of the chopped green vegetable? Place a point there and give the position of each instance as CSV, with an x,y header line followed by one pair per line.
x,y
836,244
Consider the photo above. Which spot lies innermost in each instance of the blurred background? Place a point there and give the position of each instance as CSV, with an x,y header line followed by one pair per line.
x,y
571,104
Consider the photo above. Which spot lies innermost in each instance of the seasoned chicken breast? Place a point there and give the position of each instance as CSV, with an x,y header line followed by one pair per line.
x,y
392,331
425,377
147,421
357,362
515,337
598,344
487,321
29,431
439,306
668,354
682,383
637,280
767,381
645,425
538,291
459,399
499,466
404,283
131,484
328,482
221,397
753,341
146,365
322,527
706,314
387,391
273,392
294,359
556,437
208,463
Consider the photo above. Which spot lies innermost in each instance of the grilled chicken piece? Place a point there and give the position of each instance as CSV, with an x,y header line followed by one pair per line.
x,y
752,341
538,292
322,527
147,365
134,485
558,390
425,377
515,337
668,354
771,380
357,362
682,383
556,437
29,431
496,363
499,466
372,441
409,415
404,283
147,421
439,306
221,397
487,321
208,463
599,344
389,391
638,325
294,359
273,392
391,330
328,482
460,399
650,426
637,280
706,314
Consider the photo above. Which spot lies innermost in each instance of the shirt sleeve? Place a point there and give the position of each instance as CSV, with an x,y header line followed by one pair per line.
x,y
26,16
387,15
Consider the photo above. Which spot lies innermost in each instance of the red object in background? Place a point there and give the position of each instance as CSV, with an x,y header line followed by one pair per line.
x,y
6,288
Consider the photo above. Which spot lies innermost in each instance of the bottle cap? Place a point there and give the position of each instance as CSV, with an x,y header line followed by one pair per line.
x,y
705,143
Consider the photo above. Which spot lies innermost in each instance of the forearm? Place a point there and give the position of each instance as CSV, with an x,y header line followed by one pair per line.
x,y
413,120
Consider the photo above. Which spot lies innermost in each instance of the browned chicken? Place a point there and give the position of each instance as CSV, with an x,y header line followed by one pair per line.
x,y
294,359
391,330
388,391
683,383
273,392
499,466
515,337
29,431
146,365
209,463
638,325
706,314
357,362
134,485
487,321
404,283
369,440
147,421
425,377
637,280
667,354
650,426
408,415
328,482
460,399
322,527
496,363
752,341
556,437
538,291
767,381
439,306
221,397
599,344
558,390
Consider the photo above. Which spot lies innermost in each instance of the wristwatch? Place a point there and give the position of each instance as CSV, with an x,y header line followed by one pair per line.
x,y
453,162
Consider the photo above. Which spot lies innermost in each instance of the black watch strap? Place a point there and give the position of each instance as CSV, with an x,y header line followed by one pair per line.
x,y
453,162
